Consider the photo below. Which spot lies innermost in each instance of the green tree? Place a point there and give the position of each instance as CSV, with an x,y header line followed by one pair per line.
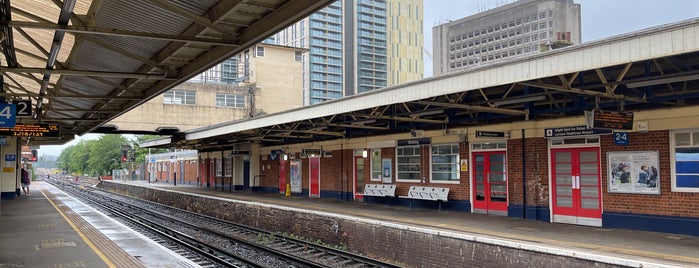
x,y
95,157
141,153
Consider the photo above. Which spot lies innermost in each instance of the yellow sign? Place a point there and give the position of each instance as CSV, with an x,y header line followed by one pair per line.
x,y
464,165
8,170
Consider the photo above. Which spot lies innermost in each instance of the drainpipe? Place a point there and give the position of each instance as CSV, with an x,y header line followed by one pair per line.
x,y
524,176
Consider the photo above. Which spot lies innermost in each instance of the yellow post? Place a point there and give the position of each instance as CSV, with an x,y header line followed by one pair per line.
x,y
288,190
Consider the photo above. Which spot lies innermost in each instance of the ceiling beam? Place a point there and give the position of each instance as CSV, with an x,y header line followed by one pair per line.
x,y
474,107
85,73
123,33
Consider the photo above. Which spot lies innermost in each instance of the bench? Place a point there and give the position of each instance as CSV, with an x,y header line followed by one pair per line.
x,y
427,193
380,190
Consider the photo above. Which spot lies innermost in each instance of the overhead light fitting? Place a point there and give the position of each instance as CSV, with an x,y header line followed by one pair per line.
x,y
432,112
664,80
519,100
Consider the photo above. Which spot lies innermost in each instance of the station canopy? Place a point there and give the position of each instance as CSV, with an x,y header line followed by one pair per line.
x,y
82,63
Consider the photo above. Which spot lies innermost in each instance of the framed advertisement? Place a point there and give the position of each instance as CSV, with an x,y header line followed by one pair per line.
x,y
386,170
295,176
634,172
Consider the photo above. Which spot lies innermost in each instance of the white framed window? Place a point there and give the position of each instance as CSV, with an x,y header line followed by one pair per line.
x,y
228,167
375,160
260,51
180,97
230,100
684,160
219,170
408,163
444,164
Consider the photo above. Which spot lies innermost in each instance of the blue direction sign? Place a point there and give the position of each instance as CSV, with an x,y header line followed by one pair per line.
x,y
8,114
574,131
621,138
10,157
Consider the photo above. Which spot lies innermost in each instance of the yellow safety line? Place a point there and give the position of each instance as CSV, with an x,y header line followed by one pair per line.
x,y
81,234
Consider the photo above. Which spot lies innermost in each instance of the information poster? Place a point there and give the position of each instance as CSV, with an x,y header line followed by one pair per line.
x,y
386,170
295,176
633,172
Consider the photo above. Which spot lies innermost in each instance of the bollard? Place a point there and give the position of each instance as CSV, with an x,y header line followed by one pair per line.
x,y
174,179
288,190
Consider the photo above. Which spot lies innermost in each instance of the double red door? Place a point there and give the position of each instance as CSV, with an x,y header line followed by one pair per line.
x,y
490,182
575,185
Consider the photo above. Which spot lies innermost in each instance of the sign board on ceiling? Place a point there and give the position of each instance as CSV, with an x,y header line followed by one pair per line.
x,y
24,108
8,113
32,130
609,119
574,131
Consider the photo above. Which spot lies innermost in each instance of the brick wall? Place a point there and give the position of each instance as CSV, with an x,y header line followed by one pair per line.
x,y
537,171
399,245
667,203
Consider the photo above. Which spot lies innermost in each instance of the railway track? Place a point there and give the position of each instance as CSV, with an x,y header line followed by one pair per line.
x,y
212,242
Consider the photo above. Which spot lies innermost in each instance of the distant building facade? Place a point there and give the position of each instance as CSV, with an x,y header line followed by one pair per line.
x,y
519,28
262,80
357,46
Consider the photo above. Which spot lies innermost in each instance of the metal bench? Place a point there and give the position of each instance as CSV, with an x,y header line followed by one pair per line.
x,y
427,193
380,190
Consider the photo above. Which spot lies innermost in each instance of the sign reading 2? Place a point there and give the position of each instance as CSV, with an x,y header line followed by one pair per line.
x,y
24,107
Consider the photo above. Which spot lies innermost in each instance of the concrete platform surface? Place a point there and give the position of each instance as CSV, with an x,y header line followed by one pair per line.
x,y
48,228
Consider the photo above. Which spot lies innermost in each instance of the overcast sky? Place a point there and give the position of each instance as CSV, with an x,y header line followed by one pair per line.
x,y
600,19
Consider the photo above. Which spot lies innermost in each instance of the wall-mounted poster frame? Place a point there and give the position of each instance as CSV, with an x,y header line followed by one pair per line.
x,y
634,172
295,175
386,170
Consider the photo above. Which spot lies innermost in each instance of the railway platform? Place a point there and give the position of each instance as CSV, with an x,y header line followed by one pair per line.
x,y
47,228
620,247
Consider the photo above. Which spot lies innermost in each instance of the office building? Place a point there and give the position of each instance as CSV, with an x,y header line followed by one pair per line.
x,y
520,28
357,46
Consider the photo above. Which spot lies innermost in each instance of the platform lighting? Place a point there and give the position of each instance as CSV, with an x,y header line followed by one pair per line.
x,y
285,157
365,153
665,80
519,100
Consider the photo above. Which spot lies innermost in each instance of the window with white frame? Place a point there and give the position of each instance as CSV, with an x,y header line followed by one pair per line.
x,y
684,155
230,100
260,51
445,163
375,164
219,170
180,97
228,167
408,163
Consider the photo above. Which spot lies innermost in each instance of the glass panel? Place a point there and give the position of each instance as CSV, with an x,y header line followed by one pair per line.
x,y
688,181
563,179
500,158
479,177
589,180
565,168
480,158
564,202
497,167
498,177
588,156
588,168
590,192
480,195
695,138
563,157
480,167
682,139
564,191
590,203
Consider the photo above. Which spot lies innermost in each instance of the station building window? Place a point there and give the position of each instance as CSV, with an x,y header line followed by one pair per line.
x,y
228,167
445,163
408,163
684,155
219,167
230,100
181,97
375,164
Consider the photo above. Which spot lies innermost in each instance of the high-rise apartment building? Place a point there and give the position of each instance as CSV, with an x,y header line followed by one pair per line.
x,y
357,46
519,28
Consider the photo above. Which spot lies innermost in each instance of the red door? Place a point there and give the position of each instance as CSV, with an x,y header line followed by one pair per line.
x,y
359,177
576,186
282,176
490,182
314,177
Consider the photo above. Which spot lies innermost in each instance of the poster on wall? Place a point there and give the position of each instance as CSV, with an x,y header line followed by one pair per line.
x,y
633,172
386,170
295,176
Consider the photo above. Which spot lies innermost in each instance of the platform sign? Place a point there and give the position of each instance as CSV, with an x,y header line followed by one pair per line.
x,y
609,119
24,108
32,130
621,138
8,112
490,134
574,131
10,157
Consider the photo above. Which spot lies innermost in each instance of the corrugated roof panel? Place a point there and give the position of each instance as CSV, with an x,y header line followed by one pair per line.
x,y
97,58
143,16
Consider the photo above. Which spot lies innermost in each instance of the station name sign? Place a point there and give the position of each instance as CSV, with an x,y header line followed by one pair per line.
x,y
490,134
609,119
32,130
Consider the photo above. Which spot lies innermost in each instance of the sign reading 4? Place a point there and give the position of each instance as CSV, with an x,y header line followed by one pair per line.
x,y
7,114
